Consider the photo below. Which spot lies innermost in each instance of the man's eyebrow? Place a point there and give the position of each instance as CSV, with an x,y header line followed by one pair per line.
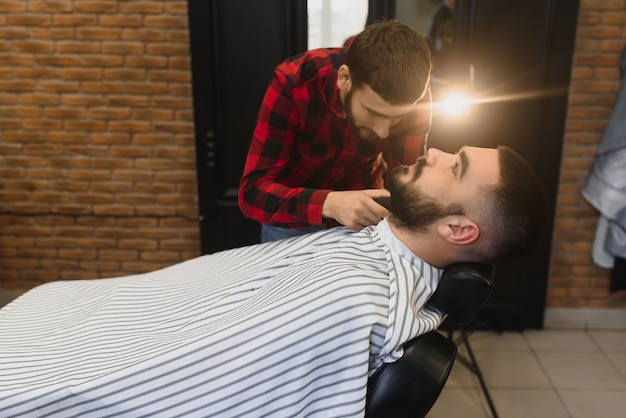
x,y
464,162
377,113
374,112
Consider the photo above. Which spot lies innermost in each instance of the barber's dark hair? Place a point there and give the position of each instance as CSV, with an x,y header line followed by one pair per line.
x,y
392,59
521,215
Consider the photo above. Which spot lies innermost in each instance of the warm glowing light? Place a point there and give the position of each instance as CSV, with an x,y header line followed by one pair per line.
x,y
456,104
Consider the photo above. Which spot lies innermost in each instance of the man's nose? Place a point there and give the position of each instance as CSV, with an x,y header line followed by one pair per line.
x,y
435,156
381,127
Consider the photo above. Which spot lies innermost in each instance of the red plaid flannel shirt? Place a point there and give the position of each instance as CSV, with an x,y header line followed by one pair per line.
x,y
303,147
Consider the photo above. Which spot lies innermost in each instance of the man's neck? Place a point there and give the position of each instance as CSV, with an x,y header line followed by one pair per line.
x,y
426,245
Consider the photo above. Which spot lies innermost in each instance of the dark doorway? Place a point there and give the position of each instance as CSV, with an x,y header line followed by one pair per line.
x,y
516,56
235,44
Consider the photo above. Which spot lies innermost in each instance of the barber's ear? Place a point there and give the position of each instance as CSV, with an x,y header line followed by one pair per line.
x,y
458,230
343,78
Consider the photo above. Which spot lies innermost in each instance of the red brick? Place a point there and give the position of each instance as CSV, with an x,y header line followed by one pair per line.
x,y
101,266
49,6
57,61
146,7
142,266
147,62
79,274
151,88
35,73
13,6
17,86
65,112
29,19
33,46
163,21
101,61
149,35
52,33
59,264
109,113
82,100
122,254
59,86
97,33
125,74
41,124
96,6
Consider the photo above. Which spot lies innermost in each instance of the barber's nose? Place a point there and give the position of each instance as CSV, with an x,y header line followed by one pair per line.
x,y
381,127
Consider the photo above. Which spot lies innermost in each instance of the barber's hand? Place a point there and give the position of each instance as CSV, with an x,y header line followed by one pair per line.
x,y
356,209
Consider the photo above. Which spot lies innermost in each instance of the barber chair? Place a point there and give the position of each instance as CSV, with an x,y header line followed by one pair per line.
x,y
410,386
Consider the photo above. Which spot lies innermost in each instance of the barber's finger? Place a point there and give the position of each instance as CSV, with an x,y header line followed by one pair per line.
x,y
374,214
376,193
378,208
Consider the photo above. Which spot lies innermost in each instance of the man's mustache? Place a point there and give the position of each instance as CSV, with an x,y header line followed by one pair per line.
x,y
420,163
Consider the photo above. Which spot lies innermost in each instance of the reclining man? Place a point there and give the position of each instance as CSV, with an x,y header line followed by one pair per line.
x,y
283,329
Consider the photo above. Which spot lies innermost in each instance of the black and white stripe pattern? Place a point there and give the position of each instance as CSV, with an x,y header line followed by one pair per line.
x,y
283,329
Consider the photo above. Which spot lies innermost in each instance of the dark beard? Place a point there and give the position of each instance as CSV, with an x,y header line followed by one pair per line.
x,y
411,208
347,108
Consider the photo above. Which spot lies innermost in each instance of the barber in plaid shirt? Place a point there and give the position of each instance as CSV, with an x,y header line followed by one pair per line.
x,y
332,123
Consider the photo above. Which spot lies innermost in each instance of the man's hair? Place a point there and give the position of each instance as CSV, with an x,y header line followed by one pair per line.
x,y
392,59
520,214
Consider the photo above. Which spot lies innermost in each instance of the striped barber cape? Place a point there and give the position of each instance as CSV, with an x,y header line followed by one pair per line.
x,y
290,328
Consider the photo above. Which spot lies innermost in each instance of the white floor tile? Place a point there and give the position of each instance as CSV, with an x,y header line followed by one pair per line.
x,y
581,370
525,403
591,403
618,359
485,340
541,373
610,340
560,340
459,403
461,377
512,369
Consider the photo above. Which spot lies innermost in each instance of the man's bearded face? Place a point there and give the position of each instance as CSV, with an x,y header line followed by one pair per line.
x,y
411,207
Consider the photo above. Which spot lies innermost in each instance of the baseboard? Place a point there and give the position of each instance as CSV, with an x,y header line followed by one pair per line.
x,y
7,295
585,318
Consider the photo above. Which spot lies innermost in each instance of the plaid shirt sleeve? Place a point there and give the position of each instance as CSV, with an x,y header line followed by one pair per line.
x,y
262,196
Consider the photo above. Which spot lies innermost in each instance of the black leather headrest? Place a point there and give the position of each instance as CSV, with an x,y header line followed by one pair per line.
x,y
463,290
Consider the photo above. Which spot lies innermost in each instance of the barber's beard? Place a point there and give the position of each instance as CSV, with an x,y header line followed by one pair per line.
x,y
411,208
361,133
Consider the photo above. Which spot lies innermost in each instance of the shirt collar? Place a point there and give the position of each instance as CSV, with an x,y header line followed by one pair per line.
x,y
397,246
432,274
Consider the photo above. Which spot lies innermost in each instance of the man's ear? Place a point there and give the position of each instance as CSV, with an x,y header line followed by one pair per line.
x,y
458,230
343,78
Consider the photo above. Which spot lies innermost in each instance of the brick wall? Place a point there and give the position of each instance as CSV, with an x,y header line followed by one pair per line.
x,y
575,282
97,163
97,173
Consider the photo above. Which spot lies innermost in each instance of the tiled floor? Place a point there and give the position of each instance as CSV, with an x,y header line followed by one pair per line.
x,y
540,373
